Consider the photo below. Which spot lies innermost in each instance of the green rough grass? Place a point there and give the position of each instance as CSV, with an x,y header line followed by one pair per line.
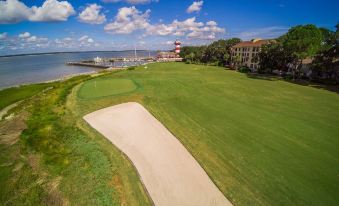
x,y
14,94
57,153
263,142
101,87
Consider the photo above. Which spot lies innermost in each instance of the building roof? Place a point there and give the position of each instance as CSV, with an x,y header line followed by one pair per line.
x,y
166,52
252,43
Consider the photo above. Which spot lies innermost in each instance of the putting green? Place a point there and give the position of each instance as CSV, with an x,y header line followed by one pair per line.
x,y
103,87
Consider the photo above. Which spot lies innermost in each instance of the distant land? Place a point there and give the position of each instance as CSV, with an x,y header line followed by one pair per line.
x,y
67,52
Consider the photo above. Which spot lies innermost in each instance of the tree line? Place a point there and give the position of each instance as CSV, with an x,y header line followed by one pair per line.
x,y
287,54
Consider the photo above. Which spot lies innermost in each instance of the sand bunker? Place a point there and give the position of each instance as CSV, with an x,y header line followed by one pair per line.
x,y
169,172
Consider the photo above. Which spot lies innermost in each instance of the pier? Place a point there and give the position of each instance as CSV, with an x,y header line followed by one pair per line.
x,y
87,65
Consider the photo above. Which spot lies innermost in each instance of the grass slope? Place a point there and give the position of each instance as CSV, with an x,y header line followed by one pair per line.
x,y
262,142
11,95
57,162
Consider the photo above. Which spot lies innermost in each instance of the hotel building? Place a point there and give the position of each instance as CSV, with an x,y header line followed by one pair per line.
x,y
244,53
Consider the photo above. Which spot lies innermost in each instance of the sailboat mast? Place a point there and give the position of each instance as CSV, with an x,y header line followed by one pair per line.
x,y
135,51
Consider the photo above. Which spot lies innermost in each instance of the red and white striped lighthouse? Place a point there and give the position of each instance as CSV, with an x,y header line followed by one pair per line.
x,y
177,46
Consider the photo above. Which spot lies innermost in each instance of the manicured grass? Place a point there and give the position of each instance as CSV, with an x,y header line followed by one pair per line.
x,y
101,87
263,142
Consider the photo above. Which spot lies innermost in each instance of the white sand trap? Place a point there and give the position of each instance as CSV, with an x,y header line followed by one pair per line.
x,y
169,172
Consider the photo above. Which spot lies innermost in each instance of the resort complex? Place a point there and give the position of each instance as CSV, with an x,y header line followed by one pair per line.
x,y
246,53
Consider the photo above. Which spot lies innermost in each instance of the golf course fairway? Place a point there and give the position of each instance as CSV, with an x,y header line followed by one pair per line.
x,y
260,140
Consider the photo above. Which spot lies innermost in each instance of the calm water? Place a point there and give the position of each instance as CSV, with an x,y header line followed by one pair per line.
x,y
37,68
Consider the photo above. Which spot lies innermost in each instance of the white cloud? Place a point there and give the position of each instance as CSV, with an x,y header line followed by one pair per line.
x,y
14,11
67,39
131,1
190,27
84,42
52,10
83,38
142,43
179,33
90,40
24,35
128,20
195,7
3,35
27,41
169,42
91,15
211,23
201,35
28,38
31,39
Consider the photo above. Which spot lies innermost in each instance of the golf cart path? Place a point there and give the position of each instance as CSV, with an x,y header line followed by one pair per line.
x,y
169,172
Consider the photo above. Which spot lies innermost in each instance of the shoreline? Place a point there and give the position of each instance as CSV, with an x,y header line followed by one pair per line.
x,y
63,78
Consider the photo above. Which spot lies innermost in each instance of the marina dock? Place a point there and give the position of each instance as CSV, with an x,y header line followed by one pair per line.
x,y
105,63
100,66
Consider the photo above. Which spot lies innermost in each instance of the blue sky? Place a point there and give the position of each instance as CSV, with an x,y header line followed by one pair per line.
x,y
28,26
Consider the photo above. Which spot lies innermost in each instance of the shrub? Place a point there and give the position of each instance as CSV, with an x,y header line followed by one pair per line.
x,y
244,70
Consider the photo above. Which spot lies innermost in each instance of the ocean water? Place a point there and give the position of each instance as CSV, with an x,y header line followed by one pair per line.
x,y
16,70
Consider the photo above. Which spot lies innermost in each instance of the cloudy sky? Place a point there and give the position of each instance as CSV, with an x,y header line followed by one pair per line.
x,y
29,26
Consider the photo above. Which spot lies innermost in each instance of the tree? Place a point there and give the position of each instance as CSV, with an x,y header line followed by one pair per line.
x,y
273,56
337,33
325,65
329,39
302,42
191,57
219,52
192,53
